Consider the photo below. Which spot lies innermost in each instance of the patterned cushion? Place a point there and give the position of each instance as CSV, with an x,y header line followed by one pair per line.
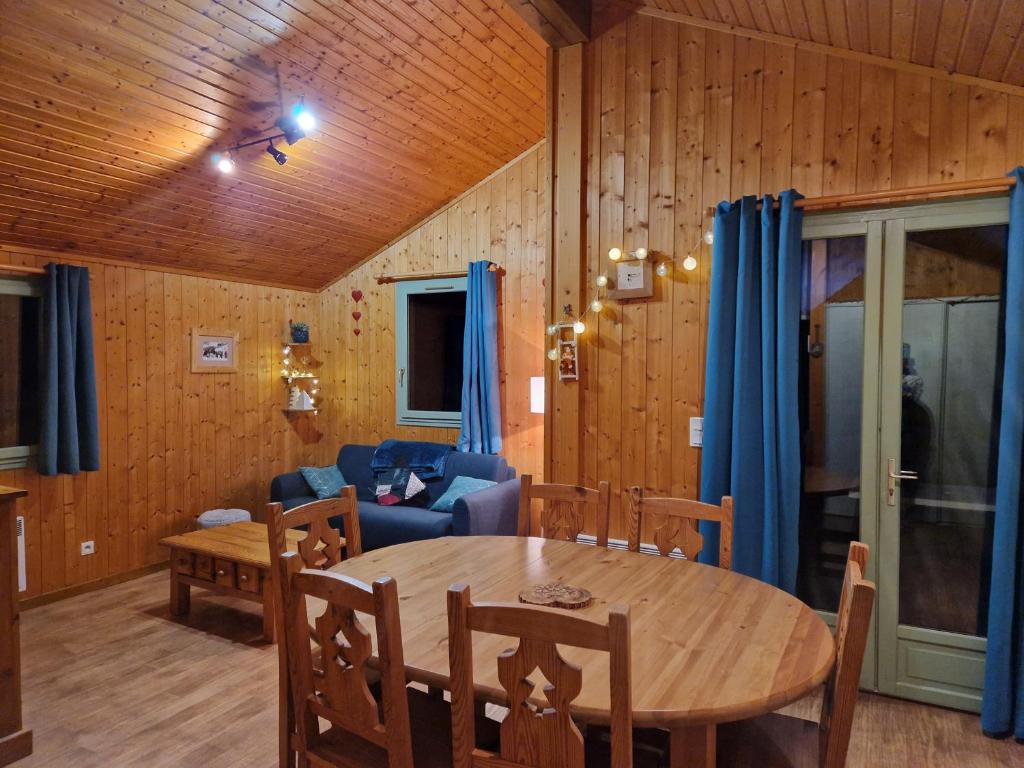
x,y
326,482
214,518
460,487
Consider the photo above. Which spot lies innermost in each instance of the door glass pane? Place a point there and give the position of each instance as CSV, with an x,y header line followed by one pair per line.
x,y
832,361
951,347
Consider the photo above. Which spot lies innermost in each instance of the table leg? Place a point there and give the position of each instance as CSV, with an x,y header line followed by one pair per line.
x,y
181,594
693,747
269,623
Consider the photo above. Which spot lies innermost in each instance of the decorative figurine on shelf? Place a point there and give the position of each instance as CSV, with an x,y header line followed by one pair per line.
x,y
300,332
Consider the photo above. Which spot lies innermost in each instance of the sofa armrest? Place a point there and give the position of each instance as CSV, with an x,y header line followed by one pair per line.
x,y
289,486
492,511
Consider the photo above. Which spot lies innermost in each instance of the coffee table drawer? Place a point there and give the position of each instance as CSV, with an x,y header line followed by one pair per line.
x,y
183,562
248,578
224,573
204,567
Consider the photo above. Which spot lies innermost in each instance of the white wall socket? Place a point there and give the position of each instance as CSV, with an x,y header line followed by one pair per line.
x,y
88,547
696,431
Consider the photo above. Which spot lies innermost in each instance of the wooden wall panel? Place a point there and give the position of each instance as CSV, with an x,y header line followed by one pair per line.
x,y
739,117
502,220
173,443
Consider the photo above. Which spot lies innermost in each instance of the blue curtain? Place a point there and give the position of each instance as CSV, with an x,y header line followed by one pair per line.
x,y
751,419
1002,708
481,404
69,437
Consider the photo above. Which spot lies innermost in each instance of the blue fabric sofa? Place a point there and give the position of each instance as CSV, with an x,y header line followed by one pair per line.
x,y
492,511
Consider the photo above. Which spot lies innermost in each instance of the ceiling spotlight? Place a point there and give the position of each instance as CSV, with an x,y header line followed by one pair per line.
x,y
305,119
276,153
224,163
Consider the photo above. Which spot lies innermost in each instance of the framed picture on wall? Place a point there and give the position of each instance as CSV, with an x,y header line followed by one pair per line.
x,y
568,369
214,351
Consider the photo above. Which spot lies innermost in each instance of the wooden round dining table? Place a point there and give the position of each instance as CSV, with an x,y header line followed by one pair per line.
x,y
708,645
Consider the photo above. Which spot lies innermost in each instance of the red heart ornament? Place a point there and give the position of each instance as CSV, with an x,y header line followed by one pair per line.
x,y
356,315
357,295
356,331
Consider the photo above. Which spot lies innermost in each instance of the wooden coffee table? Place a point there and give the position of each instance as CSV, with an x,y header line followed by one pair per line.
x,y
230,560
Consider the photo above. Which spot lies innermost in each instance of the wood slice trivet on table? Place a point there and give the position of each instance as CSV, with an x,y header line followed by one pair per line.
x,y
556,595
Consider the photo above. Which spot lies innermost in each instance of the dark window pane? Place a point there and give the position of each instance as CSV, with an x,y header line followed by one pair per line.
x,y
437,324
19,375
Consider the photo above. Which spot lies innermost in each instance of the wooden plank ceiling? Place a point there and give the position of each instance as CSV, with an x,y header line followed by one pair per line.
x,y
111,112
982,38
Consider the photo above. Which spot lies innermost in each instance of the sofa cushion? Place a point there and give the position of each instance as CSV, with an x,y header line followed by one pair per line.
x,y
326,482
384,526
354,463
460,486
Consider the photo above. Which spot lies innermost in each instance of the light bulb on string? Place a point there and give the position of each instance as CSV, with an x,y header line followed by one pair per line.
x,y
709,237
640,253
552,329
663,269
596,305
552,354
689,263
578,327
602,281
615,254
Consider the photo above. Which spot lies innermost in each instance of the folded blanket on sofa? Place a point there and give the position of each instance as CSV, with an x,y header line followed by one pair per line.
x,y
427,460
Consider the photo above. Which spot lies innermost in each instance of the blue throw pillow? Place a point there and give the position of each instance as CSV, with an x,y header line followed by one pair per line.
x,y
326,482
461,486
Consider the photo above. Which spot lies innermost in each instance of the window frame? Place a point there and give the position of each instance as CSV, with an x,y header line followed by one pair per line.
x,y
404,415
19,456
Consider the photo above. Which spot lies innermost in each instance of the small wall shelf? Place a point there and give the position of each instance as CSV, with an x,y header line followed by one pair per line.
x,y
298,372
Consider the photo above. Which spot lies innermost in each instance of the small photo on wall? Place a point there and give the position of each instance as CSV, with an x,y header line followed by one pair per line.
x,y
567,363
214,351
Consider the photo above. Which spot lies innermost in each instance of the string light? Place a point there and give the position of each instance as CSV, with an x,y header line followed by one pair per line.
x,y
552,354
663,268
602,281
640,253
596,306
552,330
615,254
578,327
689,263
709,237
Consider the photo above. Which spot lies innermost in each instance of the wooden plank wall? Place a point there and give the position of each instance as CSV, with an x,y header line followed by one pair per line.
x,y
679,118
502,220
173,443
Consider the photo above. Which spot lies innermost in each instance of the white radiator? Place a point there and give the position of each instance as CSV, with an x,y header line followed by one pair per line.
x,y
19,524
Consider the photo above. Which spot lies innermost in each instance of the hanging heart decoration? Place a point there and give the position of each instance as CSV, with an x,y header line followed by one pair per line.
x,y
357,295
356,315
356,331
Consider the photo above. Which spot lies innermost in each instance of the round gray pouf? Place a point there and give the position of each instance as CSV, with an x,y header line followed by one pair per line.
x,y
215,518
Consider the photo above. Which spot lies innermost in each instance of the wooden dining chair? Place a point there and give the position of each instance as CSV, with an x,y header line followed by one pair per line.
x,y
677,528
331,683
781,741
537,735
563,514
322,547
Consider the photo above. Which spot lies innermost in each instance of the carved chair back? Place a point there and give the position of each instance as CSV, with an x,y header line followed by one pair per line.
x,y
852,623
330,682
674,523
539,731
323,545
563,515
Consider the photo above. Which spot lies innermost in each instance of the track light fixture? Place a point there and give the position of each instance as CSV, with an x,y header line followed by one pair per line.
x,y
276,153
294,125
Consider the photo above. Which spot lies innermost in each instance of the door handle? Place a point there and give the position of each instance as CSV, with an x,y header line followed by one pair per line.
x,y
895,475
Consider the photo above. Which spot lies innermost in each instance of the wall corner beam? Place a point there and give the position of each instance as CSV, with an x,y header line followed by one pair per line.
x,y
560,23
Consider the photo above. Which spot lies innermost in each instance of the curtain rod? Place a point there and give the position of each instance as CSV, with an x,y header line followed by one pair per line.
x,y
924,190
21,269
383,279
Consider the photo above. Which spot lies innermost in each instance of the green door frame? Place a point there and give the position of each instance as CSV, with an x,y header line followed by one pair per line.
x,y
911,662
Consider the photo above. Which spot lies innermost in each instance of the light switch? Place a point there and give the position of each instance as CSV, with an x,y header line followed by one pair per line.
x,y
696,431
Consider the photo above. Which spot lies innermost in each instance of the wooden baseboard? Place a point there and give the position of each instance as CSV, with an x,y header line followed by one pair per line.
x,y
89,586
15,747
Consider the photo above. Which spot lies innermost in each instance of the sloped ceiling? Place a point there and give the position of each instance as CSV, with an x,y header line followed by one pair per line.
x,y
982,38
111,112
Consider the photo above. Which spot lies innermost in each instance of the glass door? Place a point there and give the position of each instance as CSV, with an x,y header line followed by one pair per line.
x,y
899,375
944,267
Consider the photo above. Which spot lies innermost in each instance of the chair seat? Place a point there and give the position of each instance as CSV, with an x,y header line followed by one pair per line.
x,y
769,741
430,721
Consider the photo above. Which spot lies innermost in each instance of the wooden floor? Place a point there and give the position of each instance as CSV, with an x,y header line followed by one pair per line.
x,y
111,680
